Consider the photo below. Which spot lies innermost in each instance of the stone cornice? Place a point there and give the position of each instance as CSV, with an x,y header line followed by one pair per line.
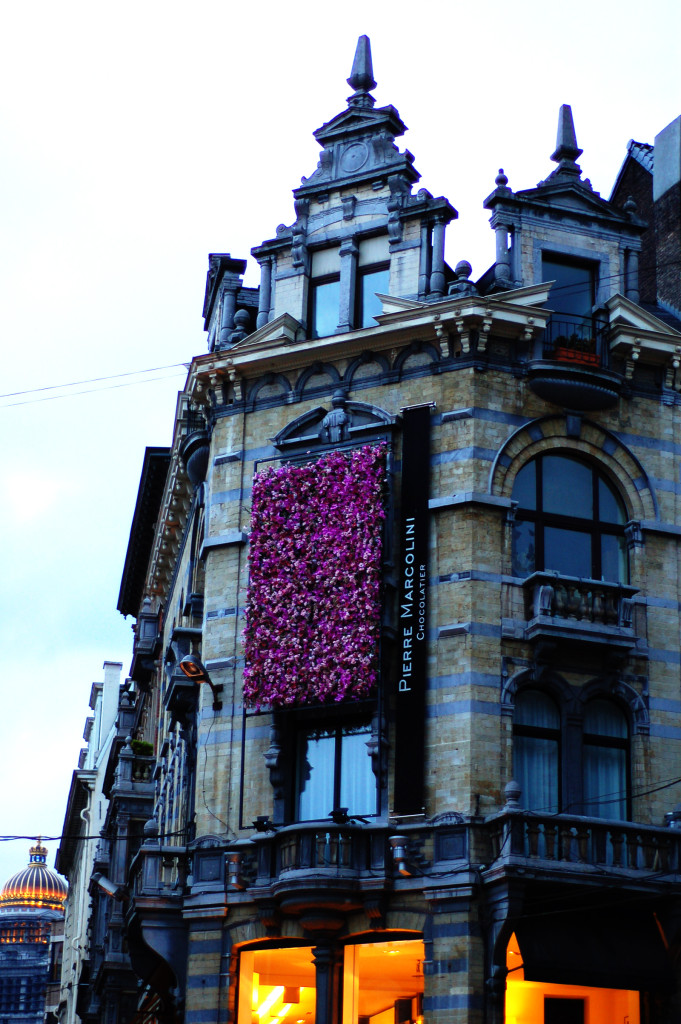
x,y
280,346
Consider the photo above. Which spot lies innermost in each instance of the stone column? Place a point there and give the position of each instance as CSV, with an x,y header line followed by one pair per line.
x,y
437,274
265,295
348,280
328,967
631,275
227,318
502,268
425,261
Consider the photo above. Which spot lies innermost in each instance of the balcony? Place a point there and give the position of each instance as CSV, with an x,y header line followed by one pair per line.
x,y
156,931
561,846
564,608
573,368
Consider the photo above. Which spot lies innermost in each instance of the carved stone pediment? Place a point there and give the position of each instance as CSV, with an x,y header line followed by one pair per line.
x,y
342,423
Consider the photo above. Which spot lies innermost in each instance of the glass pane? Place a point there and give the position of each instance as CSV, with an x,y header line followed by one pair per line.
x,y
610,507
532,707
566,487
535,769
357,782
573,292
603,718
605,784
523,549
383,982
370,306
277,986
525,486
316,767
325,308
614,559
567,552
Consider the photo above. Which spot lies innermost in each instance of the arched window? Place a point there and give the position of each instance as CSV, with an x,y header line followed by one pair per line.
x,y
536,751
569,520
605,738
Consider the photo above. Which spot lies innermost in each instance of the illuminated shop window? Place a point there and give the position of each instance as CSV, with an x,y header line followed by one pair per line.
x,y
538,1002
277,986
382,984
569,520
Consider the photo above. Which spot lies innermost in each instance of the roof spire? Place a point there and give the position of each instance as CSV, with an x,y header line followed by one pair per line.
x,y
362,75
567,149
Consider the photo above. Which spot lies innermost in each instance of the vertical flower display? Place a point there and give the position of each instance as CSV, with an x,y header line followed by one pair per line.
x,y
314,603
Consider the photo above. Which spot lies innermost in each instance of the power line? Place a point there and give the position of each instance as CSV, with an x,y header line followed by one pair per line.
x,y
87,391
93,380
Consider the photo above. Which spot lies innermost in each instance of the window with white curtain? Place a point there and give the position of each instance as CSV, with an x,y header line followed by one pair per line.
x,y
606,742
536,751
587,774
334,770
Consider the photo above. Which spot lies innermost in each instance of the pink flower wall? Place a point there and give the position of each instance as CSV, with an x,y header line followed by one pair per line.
x,y
314,593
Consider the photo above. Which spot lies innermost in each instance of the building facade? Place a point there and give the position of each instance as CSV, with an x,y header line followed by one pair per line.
x,y
407,594
83,823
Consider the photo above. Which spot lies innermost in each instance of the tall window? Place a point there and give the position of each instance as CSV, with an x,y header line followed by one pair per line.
x,y
569,520
575,765
333,770
324,305
370,282
536,751
574,293
606,744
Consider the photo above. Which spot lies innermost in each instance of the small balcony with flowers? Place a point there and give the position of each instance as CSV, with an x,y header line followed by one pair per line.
x,y
571,366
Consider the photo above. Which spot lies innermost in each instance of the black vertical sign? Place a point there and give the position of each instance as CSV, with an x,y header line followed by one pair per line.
x,y
410,696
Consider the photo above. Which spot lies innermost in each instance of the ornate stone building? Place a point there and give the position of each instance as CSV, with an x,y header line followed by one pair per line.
x,y
31,941
407,593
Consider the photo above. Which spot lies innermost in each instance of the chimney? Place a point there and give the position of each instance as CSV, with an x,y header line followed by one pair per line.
x,y
667,202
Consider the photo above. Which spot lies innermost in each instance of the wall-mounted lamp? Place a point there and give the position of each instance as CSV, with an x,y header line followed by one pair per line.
x,y
399,848
194,669
234,879
263,824
113,889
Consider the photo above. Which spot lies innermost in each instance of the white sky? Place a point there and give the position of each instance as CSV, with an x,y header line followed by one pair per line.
x,y
137,137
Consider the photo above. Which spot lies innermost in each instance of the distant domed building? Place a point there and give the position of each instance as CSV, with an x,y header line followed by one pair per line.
x,y
31,939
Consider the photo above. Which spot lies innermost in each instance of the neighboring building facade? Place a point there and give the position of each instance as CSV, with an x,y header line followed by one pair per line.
x,y
407,595
31,942
83,823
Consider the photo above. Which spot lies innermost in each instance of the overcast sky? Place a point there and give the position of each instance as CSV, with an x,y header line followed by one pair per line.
x,y
137,137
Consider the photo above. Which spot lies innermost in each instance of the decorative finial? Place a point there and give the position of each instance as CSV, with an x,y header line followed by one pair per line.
x,y
630,207
567,149
501,180
362,75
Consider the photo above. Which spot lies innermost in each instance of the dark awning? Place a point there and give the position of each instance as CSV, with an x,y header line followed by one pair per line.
x,y
603,950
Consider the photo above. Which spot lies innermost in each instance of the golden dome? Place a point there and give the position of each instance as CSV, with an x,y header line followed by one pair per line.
x,y
35,886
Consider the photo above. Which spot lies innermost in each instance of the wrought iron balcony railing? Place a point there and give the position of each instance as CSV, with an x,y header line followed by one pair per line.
x,y
579,341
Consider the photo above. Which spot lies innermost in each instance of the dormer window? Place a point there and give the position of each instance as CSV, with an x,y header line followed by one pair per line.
x,y
574,293
371,281
324,292
344,285
324,304
373,278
